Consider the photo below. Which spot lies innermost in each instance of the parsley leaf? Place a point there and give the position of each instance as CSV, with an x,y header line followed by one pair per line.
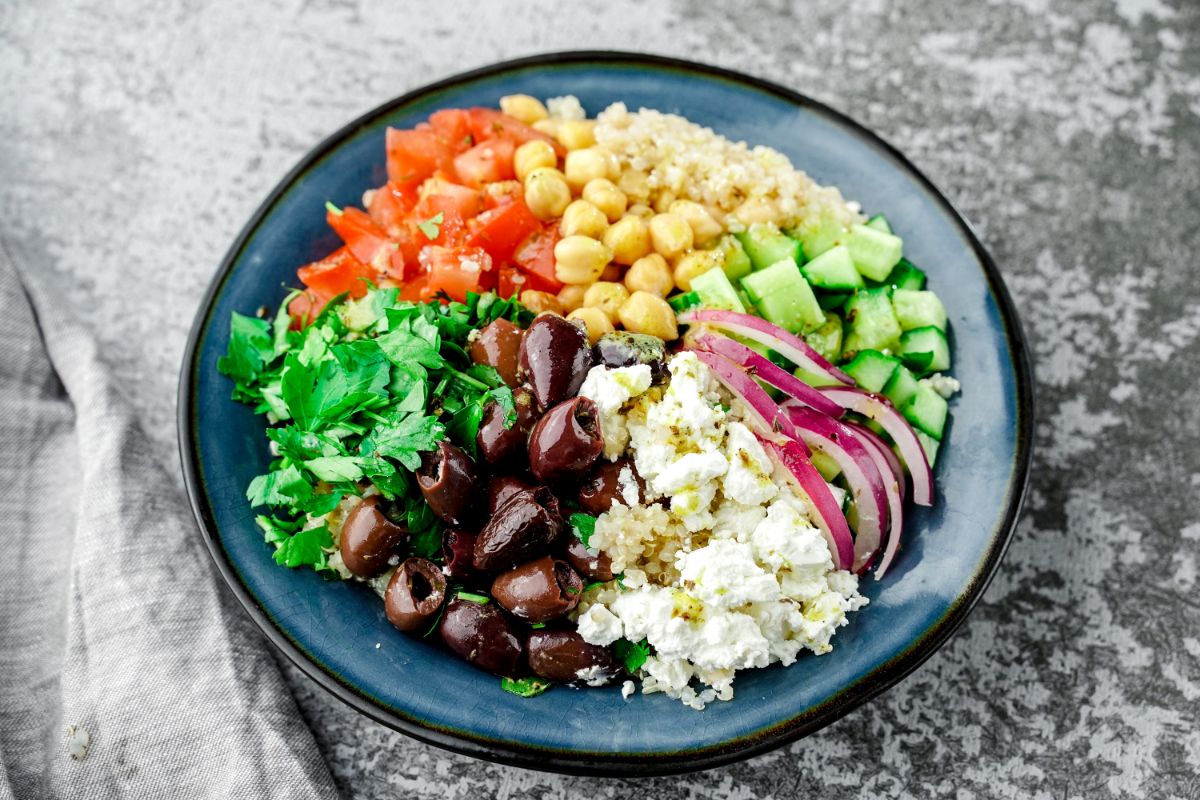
x,y
632,655
429,227
525,687
281,487
583,526
251,349
403,437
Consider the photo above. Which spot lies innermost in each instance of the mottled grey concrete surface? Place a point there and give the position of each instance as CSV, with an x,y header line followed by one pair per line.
x,y
135,139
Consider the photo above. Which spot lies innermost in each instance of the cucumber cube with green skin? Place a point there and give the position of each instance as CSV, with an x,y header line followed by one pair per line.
x,y
827,339
930,445
832,301
825,465
682,302
766,245
925,349
879,222
834,270
918,309
875,253
818,238
927,411
736,263
901,386
871,322
871,369
783,297
906,275
716,291
815,378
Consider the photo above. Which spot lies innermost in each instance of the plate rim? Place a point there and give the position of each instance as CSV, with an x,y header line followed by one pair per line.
x,y
580,762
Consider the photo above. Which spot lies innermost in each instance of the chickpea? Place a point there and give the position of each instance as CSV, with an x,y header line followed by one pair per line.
x,y
663,202
540,302
531,155
604,195
606,296
583,218
647,313
670,234
546,126
650,274
524,108
635,184
641,210
628,238
571,296
579,259
704,227
576,134
581,166
547,193
595,320
695,263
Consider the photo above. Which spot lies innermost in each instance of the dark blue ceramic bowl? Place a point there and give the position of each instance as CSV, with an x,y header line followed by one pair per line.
x,y
337,633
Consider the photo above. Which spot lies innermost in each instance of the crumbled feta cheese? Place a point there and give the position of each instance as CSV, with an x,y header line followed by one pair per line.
x,y
78,742
599,626
565,107
724,574
610,389
944,385
627,689
748,480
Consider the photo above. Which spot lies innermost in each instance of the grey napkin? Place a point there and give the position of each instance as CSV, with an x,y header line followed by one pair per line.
x,y
111,619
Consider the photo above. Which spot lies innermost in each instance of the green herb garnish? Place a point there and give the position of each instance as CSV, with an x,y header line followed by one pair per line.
x,y
482,599
632,655
524,687
583,526
430,228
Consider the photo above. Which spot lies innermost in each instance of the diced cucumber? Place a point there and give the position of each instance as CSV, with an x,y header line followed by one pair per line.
x,y
683,302
833,269
765,245
832,301
827,339
737,264
871,369
925,350
783,297
745,298
815,379
820,235
874,252
918,309
716,291
930,445
879,222
906,275
901,386
825,465
926,410
871,322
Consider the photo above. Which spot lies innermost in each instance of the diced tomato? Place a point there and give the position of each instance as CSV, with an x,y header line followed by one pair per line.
x,y
510,281
303,309
454,126
464,201
451,230
336,273
488,123
416,290
486,162
535,257
456,270
494,199
503,228
390,205
366,240
412,156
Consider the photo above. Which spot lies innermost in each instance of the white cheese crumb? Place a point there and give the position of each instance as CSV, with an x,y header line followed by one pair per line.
x,y
627,689
78,742
565,107
944,385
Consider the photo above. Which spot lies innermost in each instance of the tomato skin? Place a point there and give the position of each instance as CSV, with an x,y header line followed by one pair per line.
x,y
501,229
366,240
486,162
488,123
453,125
535,257
336,273
456,270
465,202
412,156
416,290
390,205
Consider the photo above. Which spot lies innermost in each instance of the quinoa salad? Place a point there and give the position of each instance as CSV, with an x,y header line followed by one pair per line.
x,y
599,402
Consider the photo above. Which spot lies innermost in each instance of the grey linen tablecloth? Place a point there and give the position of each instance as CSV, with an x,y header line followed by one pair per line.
x,y
137,137
111,620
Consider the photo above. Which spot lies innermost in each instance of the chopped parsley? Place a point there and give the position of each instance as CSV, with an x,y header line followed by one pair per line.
x,y
430,227
632,654
583,526
524,687
354,399
482,599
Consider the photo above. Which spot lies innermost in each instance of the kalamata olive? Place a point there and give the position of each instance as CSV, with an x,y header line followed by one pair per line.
x,y
458,551
555,358
502,487
481,634
603,485
414,594
566,441
565,657
498,443
499,345
538,590
370,539
523,528
596,567
450,484
624,349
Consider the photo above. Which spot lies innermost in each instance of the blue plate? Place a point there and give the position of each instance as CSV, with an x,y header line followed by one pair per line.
x,y
337,633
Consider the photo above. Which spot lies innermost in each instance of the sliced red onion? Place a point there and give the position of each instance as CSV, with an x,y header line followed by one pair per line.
x,y
766,418
827,513
761,367
866,482
788,345
887,462
879,409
